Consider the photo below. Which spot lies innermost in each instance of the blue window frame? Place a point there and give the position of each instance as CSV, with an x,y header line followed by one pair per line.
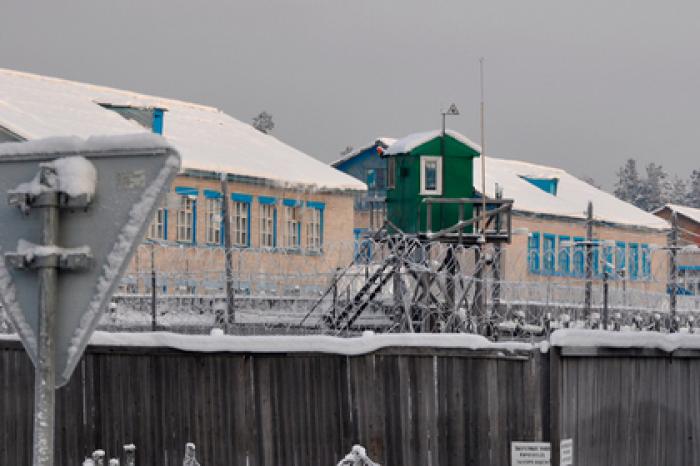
x,y
314,227
621,258
186,219
609,258
596,258
646,262
633,261
549,251
533,252
268,221
579,257
240,219
564,255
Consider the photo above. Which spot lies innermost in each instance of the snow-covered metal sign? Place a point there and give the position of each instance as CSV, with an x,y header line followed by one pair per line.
x,y
103,192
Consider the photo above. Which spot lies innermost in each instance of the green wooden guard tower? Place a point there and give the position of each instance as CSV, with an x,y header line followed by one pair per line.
x,y
433,165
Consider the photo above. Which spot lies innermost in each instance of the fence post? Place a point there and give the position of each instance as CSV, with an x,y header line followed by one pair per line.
x,y
673,270
589,260
153,288
230,309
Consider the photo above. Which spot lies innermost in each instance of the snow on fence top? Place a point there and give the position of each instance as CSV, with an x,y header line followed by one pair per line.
x,y
571,199
34,107
607,339
297,344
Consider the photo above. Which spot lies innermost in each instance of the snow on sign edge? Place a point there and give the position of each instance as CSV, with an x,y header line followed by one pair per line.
x,y
119,258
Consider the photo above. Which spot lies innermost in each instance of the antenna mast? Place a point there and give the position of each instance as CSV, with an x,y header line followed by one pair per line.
x,y
483,146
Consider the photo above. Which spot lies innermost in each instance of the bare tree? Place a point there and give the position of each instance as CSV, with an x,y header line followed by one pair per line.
x,y
263,122
346,151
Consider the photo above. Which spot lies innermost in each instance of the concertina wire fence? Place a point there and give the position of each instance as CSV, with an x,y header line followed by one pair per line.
x,y
395,286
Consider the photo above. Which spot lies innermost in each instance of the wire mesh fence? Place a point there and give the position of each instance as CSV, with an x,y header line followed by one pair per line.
x,y
400,284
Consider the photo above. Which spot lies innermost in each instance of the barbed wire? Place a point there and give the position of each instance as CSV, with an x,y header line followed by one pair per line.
x,y
397,285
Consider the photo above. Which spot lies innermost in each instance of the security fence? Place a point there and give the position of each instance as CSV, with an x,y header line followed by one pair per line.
x,y
400,284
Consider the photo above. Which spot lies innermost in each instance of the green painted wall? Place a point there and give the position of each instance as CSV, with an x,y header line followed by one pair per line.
x,y
404,202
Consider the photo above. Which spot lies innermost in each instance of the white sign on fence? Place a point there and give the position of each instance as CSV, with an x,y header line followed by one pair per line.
x,y
530,454
566,452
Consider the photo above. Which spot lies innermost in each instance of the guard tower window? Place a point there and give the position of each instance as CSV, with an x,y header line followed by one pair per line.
x,y
431,176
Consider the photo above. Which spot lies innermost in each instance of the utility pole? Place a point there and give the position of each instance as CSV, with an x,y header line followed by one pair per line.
x,y
153,288
483,144
496,263
230,307
673,269
589,259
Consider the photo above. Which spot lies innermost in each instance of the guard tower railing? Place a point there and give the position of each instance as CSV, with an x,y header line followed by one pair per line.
x,y
492,226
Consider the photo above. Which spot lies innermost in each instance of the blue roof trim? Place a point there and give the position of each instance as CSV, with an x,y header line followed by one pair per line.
x,y
186,191
157,126
316,205
267,200
291,202
240,197
209,194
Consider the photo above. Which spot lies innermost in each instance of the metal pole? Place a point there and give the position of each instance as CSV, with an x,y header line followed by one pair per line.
x,y
589,259
605,300
483,145
673,269
230,308
45,373
153,289
496,263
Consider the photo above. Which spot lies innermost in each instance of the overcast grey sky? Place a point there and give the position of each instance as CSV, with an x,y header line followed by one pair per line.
x,y
578,84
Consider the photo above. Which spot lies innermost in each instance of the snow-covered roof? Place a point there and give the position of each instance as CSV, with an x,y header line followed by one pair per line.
x,y
571,199
689,212
35,107
384,142
410,142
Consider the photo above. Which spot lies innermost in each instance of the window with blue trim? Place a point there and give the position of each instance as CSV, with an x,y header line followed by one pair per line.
x,y
620,258
240,219
186,231
292,227
268,222
596,259
314,227
159,227
533,252
633,261
609,258
213,218
579,257
549,251
646,262
564,255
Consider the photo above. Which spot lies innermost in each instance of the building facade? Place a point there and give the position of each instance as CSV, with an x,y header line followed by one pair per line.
x,y
285,207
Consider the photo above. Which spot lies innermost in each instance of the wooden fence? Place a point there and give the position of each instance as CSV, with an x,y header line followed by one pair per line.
x,y
409,406
632,407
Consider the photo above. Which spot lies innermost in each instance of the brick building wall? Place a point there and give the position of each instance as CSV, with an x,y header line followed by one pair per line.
x,y
201,261
517,258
